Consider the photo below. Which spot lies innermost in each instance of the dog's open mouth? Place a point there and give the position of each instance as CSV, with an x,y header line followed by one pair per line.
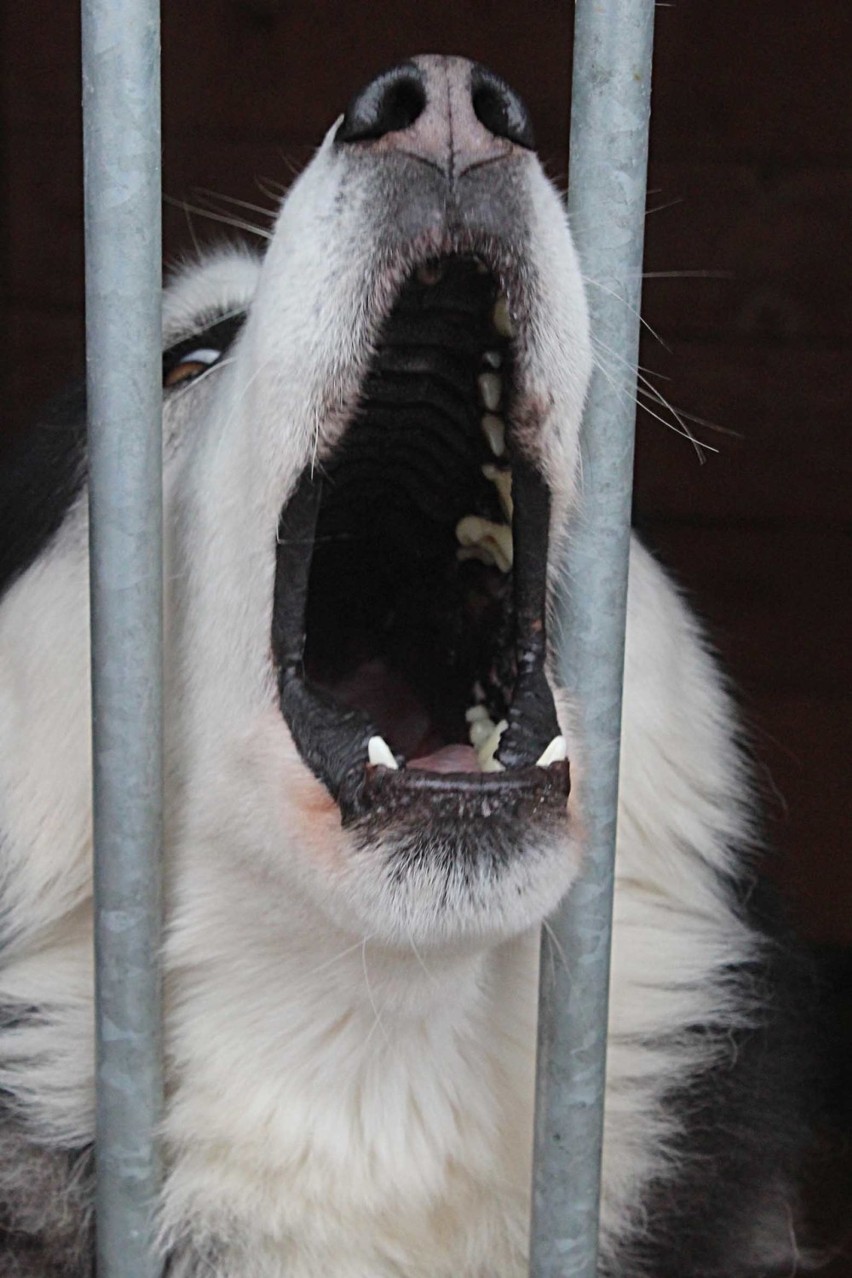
x,y
409,613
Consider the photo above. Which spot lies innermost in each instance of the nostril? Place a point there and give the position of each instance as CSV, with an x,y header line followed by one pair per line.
x,y
499,108
393,101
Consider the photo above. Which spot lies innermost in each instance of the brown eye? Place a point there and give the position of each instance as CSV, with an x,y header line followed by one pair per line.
x,y
194,363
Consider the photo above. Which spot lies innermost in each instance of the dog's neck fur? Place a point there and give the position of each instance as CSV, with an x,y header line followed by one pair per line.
x,y
396,1087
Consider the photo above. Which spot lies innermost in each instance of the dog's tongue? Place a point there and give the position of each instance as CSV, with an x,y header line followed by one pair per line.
x,y
451,758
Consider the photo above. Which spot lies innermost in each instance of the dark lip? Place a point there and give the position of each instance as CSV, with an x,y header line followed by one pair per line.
x,y
461,796
332,739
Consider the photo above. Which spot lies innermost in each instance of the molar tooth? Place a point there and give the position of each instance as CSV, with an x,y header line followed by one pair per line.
x,y
482,554
490,390
492,358
494,430
475,712
556,752
501,318
502,481
380,755
487,750
481,731
479,537
503,548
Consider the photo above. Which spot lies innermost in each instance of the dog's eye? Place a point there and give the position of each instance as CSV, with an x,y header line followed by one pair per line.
x,y
190,366
188,359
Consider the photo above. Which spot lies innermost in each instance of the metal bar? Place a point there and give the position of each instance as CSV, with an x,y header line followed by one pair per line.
x,y
610,112
121,114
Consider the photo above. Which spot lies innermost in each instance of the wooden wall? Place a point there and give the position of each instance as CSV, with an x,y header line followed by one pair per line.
x,y
748,257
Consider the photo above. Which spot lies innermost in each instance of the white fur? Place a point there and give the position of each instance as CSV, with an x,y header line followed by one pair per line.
x,y
349,1071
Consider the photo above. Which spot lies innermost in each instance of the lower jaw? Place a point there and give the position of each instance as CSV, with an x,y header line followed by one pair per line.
x,y
445,874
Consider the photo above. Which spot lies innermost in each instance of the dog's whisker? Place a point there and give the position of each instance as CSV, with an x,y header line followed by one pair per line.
x,y
240,224
378,1023
632,309
206,193
649,391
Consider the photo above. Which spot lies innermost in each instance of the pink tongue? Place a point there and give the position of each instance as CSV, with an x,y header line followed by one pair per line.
x,y
451,758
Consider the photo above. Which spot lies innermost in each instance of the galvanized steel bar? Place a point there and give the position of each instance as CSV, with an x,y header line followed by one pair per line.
x,y
610,113
121,114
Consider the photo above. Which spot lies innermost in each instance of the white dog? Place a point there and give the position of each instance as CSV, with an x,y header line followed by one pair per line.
x,y
371,463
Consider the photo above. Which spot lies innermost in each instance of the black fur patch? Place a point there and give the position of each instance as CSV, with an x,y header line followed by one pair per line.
x,y
46,1222
45,469
39,480
731,1208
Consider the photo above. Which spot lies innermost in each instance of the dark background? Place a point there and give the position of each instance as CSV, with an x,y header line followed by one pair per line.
x,y
749,240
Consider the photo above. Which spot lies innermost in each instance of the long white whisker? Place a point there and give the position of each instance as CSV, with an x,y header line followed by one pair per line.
x,y
232,199
693,417
223,435
655,394
632,309
419,958
271,189
239,224
350,949
688,275
555,942
378,1021
190,227
632,394
578,226
670,204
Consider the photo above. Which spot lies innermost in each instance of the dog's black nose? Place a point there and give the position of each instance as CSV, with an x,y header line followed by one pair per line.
x,y
446,110
499,108
388,104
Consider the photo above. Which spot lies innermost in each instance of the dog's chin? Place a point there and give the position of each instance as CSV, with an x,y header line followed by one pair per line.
x,y
434,858
439,904
451,880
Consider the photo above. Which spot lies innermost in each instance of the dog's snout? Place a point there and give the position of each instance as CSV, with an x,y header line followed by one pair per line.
x,y
389,104
447,111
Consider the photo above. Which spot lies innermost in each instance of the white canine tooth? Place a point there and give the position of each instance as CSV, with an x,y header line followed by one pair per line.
x,y
556,752
487,538
501,318
492,358
492,765
494,430
490,390
475,712
502,481
380,755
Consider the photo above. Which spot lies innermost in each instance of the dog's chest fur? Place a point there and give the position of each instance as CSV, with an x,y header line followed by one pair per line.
x,y
390,1134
